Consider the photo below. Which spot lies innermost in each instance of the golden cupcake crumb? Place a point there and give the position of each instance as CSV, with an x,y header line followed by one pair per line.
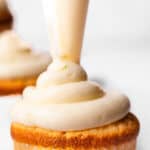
x,y
120,132
15,86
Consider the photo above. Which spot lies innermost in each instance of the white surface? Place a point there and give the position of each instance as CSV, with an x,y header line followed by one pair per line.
x,y
116,52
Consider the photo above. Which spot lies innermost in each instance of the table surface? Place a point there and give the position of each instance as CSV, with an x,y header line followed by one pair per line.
x,y
125,69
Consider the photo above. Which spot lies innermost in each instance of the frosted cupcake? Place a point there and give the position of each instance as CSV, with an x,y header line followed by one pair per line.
x,y
19,65
6,18
66,111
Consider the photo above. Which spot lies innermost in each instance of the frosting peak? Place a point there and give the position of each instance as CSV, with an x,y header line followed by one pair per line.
x,y
63,82
61,72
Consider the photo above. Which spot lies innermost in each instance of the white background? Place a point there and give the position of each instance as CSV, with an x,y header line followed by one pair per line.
x,y
116,53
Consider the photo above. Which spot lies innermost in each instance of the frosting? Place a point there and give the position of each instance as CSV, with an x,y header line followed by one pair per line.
x,y
63,98
66,30
74,104
17,60
69,84
72,116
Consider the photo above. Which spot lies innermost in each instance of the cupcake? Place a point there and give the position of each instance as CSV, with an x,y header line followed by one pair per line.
x,y
6,18
19,65
66,111
120,135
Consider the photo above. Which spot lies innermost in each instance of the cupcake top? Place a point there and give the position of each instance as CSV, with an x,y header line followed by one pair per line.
x,y
63,98
5,14
17,60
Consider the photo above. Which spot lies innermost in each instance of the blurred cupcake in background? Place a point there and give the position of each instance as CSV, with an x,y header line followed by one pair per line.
x,y
6,19
19,65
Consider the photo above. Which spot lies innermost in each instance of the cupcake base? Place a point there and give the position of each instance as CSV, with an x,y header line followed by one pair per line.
x,y
15,86
120,135
125,146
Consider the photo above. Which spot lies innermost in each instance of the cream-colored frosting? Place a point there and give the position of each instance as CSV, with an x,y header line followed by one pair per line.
x,y
66,21
63,98
17,60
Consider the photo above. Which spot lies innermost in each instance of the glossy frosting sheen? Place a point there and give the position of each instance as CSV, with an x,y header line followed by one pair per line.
x,y
17,59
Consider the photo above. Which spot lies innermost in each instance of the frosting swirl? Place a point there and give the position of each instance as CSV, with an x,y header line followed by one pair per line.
x,y
65,100
17,60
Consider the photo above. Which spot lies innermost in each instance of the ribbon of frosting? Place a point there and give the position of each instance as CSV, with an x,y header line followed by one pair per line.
x,y
63,98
